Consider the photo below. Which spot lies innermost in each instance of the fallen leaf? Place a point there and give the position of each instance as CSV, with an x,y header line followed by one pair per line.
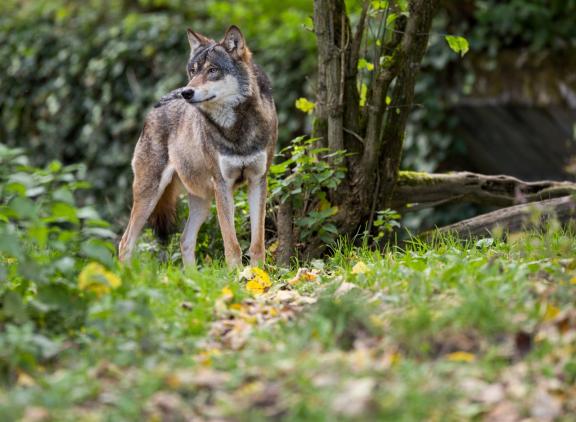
x,y
360,268
461,357
227,293
551,312
203,378
503,412
95,278
544,406
344,288
258,280
165,406
25,380
355,397
35,414
303,274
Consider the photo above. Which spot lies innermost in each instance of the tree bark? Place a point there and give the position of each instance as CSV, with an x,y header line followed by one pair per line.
x,y
330,22
410,54
422,190
285,233
513,219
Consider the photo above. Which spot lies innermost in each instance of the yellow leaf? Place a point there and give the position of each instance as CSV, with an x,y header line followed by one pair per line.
x,y
324,204
25,380
258,280
551,312
235,307
227,293
173,381
9,260
254,287
360,268
262,276
461,357
395,358
97,279
363,94
573,280
273,247
303,274
305,105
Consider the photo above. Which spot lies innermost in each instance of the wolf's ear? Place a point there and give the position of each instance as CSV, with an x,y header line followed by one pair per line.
x,y
196,40
234,42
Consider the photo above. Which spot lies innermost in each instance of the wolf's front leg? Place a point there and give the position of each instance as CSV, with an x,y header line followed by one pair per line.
x,y
257,202
225,208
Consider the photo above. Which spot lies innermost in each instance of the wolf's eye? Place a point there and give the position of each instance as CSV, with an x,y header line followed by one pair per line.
x,y
212,70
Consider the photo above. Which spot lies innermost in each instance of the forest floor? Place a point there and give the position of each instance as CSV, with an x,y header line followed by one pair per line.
x,y
441,331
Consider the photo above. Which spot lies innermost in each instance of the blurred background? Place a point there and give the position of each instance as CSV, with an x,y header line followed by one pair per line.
x,y
77,78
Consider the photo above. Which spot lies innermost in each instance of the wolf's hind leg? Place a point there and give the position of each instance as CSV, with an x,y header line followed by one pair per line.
x,y
198,213
148,187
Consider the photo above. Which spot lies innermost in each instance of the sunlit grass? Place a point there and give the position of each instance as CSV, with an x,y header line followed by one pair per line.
x,y
393,339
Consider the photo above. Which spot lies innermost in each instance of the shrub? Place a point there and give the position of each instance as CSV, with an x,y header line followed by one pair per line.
x,y
45,240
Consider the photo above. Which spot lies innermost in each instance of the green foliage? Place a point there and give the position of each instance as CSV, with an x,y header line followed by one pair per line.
x,y
45,239
535,24
386,221
457,44
304,178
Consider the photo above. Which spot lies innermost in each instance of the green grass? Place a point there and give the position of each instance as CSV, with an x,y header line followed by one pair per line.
x,y
446,331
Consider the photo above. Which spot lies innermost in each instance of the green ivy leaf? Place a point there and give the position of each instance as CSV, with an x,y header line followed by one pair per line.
x,y
458,44
365,64
14,307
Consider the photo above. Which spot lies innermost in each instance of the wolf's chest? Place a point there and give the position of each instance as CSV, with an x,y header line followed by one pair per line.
x,y
234,168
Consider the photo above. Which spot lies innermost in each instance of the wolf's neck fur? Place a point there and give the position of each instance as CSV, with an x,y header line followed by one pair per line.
x,y
223,115
246,131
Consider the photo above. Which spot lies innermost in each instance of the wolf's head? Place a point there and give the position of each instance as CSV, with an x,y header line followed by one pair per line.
x,y
219,73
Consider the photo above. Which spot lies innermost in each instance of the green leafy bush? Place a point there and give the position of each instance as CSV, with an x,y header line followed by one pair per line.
x,y
304,178
45,240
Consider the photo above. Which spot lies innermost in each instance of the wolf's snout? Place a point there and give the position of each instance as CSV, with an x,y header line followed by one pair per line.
x,y
187,94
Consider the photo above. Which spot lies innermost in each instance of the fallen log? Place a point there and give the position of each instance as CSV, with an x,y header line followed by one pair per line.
x,y
415,190
513,219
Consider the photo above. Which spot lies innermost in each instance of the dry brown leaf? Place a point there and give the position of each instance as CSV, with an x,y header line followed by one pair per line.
x,y
344,288
304,274
355,397
35,414
545,407
503,412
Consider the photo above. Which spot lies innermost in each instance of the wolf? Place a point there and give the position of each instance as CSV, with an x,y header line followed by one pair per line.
x,y
207,138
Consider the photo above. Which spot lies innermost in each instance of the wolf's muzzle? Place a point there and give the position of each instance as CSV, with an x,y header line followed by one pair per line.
x,y
187,94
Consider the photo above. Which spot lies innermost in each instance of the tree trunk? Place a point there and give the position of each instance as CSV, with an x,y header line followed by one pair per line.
x,y
373,133
422,190
513,219
285,233
410,54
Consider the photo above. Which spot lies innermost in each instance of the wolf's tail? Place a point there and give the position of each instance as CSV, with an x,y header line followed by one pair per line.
x,y
163,218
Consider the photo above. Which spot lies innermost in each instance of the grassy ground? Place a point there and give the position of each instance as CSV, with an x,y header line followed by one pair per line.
x,y
483,331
